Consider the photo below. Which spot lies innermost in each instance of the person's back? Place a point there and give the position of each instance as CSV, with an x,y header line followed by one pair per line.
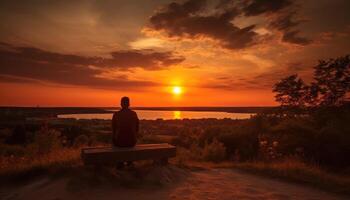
x,y
125,124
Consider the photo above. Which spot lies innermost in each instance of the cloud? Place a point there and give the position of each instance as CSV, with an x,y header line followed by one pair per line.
x,y
282,15
146,59
287,25
258,7
196,19
284,21
191,20
26,63
294,38
259,80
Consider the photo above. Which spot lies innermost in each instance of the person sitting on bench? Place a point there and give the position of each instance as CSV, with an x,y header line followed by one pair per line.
x,y
125,126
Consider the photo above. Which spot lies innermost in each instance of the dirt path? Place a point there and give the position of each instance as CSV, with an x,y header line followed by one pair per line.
x,y
205,184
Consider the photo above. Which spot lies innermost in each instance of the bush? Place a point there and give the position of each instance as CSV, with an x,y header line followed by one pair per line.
x,y
292,134
81,140
212,132
325,141
72,132
18,136
214,151
195,152
241,142
45,141
150,138
183,140
12,150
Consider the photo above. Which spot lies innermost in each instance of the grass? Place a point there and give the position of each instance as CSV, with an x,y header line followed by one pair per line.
x,y
22,168
67,161
290,169
299,172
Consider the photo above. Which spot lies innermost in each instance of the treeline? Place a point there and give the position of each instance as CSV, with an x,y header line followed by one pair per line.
x,y
22,113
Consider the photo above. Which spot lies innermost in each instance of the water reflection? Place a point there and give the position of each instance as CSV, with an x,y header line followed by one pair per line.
x,y
177,114
164,114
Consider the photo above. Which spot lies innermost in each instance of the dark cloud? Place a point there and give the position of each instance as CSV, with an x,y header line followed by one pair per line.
x,y
26,63
294,38
194,18
284,22
282,14
189,19
258,7
287,25
147,59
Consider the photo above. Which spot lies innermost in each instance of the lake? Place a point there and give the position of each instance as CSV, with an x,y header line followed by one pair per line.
x,y
157,114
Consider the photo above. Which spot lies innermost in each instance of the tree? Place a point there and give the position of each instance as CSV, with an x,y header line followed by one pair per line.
x,y
333,80
331,85
291,91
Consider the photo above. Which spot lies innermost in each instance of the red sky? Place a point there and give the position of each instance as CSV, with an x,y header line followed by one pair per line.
x,y
220,52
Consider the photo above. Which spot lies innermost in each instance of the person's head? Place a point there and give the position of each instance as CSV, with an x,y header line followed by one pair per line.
x,y
125,102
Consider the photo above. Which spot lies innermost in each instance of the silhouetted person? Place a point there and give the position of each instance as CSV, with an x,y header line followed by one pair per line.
x,y
125,125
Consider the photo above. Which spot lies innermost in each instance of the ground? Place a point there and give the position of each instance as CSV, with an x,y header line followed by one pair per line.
x,y
193,184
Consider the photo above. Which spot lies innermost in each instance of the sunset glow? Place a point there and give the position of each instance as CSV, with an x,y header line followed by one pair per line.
x,y
177,114
177,90
98,51
125,99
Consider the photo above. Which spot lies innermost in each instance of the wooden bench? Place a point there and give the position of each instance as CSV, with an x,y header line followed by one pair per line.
x,y
111,155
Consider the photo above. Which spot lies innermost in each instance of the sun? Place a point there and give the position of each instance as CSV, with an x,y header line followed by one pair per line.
x,y
177,90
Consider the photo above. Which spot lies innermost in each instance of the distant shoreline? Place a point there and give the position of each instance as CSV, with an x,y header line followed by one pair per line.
x,y
212,109
94,110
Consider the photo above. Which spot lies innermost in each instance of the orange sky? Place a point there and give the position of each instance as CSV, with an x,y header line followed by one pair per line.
x,y
40,95
221,53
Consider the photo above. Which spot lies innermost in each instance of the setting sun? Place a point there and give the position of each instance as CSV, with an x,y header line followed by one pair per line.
x,y
136,96
177,90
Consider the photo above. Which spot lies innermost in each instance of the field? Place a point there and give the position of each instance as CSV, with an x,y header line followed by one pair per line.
x,y
308,149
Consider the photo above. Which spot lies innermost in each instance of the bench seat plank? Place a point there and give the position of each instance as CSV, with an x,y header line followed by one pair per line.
x,y
111,155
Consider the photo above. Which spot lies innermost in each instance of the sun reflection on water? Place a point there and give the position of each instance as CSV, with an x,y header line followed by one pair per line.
x,y
177,114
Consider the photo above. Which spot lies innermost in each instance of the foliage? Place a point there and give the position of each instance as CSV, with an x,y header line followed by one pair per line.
x,y
333,80
321,137
215,151
12,150
18,136
71,132
330,86
296,170
20,166
291,91
45,141
81,140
